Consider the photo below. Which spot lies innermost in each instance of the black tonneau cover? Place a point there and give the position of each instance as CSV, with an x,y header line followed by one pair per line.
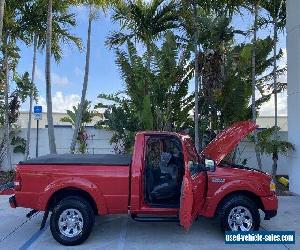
x,y
80,159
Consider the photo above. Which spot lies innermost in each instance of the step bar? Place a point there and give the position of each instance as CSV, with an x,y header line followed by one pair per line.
x,y
154,219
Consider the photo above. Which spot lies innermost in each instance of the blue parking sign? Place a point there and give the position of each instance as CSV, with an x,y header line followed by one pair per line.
x,y
37,109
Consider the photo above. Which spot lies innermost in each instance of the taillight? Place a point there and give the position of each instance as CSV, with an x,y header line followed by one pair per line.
x,y
17,182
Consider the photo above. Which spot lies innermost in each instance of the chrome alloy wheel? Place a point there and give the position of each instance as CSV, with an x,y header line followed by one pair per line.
x,y
240,219
70,223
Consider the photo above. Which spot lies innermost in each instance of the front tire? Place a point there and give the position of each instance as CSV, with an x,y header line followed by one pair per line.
x,y
239,213
72,221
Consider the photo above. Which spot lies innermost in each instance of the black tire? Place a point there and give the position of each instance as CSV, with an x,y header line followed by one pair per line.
x,y
231,203
86,213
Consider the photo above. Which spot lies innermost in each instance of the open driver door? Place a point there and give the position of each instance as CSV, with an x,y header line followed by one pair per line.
x,y
193,189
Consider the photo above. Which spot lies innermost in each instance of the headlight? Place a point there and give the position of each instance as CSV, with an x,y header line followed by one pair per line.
x,y
272,186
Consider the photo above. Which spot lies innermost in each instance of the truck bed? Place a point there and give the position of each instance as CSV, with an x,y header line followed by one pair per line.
x,y
80,159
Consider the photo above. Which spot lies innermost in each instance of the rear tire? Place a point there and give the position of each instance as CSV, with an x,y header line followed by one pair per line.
x,y
239,213
72,221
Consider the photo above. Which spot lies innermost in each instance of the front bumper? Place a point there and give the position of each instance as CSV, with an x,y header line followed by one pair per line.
x,y
270,202
270,206
270,214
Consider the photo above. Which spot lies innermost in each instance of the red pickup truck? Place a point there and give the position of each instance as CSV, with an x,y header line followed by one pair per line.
x,y
164,180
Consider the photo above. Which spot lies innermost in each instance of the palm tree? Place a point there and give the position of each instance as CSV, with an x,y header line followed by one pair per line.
x,y
87,114
196,118
277,11
35,40
10,33
2,4
275,67
144,22
51,28
255,5
6,93
35,23
276,15
255,10
273,146
196,17
51,136
93,4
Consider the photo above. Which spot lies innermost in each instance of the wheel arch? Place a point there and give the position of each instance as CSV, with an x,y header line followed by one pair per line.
x,y
245,193
60,194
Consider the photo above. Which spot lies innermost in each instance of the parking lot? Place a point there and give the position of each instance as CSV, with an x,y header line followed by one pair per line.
x,y
121,232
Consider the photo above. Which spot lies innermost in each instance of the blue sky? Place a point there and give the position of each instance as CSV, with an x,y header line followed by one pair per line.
x,y
67,76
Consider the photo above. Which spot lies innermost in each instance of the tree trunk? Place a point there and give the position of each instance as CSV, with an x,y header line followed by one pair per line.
x,y
51,135
2,4
84,87
257,153
275,22
196,117
31,97
274,70
6,94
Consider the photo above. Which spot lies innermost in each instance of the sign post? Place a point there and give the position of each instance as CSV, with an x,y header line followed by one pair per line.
x,y
38,112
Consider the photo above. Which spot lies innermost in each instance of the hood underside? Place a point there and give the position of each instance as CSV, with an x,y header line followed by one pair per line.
x,y
227,140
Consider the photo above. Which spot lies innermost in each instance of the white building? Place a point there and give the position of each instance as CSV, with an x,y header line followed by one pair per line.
x,y
23,120
268,121
293,80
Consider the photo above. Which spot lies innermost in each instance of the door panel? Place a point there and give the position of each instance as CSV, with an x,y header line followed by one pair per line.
x,y
186,203
193,189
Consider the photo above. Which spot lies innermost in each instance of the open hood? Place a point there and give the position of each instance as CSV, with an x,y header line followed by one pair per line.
x,y
226,141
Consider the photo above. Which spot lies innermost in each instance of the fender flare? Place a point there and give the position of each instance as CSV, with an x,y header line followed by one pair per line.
x,y
213,202
75,183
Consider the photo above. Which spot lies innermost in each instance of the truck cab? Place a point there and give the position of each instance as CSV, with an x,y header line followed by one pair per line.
x,y
164,180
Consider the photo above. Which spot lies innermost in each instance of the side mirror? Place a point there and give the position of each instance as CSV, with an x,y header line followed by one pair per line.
x,y
210,165
207,165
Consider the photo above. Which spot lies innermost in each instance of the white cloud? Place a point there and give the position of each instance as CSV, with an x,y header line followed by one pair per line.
x,y
60,80
56,79
268,109
60,102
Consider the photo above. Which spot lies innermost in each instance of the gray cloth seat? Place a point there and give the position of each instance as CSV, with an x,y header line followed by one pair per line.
x,y
167,187
165,190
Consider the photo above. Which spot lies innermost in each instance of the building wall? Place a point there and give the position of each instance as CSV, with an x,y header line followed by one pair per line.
x,y
268,121
262,121
99,143
246,151
23,120
293,82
